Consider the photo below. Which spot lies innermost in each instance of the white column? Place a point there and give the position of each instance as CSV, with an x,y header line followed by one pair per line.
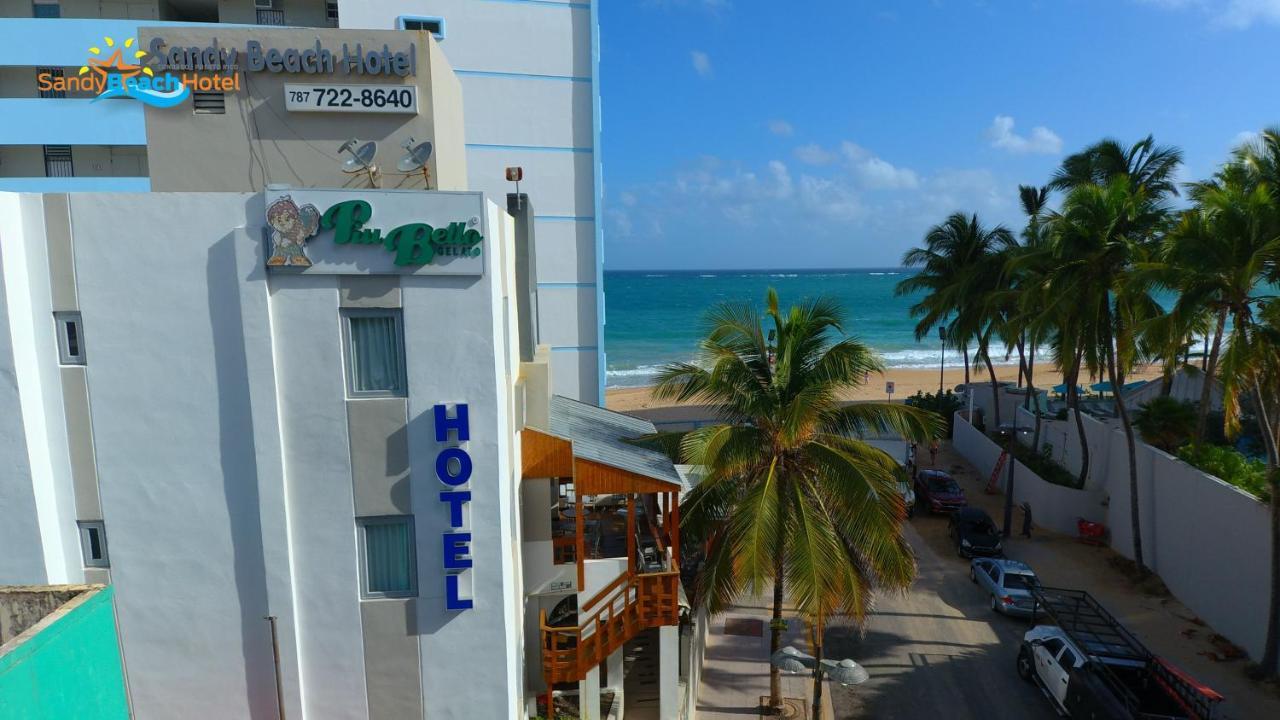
x,y
589,695
669,671
613,669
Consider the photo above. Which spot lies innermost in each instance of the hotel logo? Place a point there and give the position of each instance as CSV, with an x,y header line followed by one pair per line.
x,y
118,71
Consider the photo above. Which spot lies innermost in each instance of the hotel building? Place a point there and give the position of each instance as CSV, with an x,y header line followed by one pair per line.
x,y
527,70
300,408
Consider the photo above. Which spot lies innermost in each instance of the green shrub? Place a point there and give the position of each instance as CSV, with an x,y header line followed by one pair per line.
x,y
1166,423
946,405
1044,465
1229,466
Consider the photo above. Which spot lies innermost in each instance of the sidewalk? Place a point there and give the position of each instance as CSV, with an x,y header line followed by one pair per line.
x,y
735,672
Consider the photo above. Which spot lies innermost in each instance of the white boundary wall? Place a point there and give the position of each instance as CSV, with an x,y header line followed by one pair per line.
x,y
1208,540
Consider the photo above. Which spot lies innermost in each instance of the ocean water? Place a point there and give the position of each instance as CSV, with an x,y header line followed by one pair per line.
x,y
657,317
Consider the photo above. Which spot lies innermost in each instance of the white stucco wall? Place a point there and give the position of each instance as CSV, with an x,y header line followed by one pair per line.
x,y
527,75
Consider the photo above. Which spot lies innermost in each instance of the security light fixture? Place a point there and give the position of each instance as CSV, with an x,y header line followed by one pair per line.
x,y
515,175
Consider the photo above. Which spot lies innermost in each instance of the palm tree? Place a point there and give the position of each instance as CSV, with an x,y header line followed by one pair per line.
x,y
1144,164
961,267
791,493
1216,257
1252,364
1101,234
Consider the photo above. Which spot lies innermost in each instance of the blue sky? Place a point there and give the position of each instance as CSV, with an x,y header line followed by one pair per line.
x,y
832,133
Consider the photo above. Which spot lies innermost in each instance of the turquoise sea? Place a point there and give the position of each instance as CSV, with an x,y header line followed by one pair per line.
x,y
656,317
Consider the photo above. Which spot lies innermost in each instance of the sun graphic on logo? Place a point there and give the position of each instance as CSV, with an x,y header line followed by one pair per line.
x,y
115,61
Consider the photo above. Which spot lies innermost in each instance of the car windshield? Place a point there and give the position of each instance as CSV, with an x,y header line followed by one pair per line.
x,y
1021,582
981,527
943,484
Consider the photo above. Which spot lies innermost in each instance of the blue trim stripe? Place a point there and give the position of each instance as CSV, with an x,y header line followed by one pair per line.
x,y
519,76
546,3
529,148
565,218
574,348
564,285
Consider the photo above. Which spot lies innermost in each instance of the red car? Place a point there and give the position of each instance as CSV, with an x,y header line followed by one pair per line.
x,y
938,492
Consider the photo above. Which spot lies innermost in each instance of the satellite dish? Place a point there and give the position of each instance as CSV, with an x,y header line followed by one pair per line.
x,y
416,159
361,159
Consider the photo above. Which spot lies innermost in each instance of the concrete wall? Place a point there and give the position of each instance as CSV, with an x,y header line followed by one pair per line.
x,y
1208,540
257,141
528,76
67,665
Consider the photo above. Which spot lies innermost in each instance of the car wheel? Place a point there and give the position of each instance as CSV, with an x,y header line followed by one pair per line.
x,y
1025,670
973,577
995,607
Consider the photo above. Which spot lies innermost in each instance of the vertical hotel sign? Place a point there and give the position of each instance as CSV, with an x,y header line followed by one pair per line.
x,y
453,469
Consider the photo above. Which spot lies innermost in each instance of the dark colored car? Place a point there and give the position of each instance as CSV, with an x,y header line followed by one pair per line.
x,y
938,492
974,533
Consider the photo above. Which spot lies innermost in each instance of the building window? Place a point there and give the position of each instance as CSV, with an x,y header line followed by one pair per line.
x,y
52,73
433,25
331,12
57,161
387,565
204,102
374,353
46,9
70,338
93,543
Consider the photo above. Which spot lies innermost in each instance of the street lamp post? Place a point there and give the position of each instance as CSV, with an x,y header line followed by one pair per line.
x,y
942,362
846,671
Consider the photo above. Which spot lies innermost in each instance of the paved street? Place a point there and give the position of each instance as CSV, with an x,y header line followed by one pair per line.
x,y
938,651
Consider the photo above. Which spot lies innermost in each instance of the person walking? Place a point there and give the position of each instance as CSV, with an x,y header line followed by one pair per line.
x,y
1026,519
933,452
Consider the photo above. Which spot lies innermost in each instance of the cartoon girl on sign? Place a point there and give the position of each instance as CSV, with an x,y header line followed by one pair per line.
x,y
291,227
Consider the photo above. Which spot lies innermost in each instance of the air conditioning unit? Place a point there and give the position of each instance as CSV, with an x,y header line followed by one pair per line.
x,y
264,4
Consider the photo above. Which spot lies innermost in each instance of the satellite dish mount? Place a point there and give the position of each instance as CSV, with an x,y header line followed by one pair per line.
x,y
361,159
416,159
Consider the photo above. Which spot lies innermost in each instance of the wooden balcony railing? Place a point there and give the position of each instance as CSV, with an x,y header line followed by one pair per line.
x,y
627,606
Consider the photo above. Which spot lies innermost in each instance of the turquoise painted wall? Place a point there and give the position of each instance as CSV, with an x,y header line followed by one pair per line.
x,y
71,669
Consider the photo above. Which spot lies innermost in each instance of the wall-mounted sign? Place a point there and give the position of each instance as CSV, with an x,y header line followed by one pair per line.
x,y
398,232
351,98
315,60
453,469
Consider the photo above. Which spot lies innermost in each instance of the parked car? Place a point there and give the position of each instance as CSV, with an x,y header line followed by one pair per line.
x,y
974,533
938,491
1091,666
1008,582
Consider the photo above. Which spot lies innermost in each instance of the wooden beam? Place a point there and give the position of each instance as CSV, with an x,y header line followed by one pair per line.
x,y
596,478
675,527
631,532
581,550
543,455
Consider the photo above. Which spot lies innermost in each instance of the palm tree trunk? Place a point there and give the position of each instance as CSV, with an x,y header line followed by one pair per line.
x,y
1206,388
1035,439
966,365
995,387
1269,665
1135,519
1022,360
1073,399
775,628
817,671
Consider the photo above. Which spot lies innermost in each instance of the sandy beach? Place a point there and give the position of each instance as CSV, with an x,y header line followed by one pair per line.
x,y
907,381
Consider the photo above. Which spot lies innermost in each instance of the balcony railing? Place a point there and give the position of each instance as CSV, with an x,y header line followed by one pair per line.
x,y
629,605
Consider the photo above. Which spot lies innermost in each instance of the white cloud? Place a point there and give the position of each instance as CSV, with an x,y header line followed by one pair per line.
x,y
701,63
814,154
1245,137
1041,140
781,128
874,173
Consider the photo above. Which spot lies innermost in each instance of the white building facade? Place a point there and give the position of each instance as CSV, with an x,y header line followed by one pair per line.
x,y
301,432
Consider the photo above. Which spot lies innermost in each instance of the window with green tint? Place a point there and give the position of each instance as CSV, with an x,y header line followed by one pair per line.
x,y
388,568
375,353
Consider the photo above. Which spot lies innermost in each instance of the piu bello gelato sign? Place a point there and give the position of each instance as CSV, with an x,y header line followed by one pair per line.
x,y
409,233
349,59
